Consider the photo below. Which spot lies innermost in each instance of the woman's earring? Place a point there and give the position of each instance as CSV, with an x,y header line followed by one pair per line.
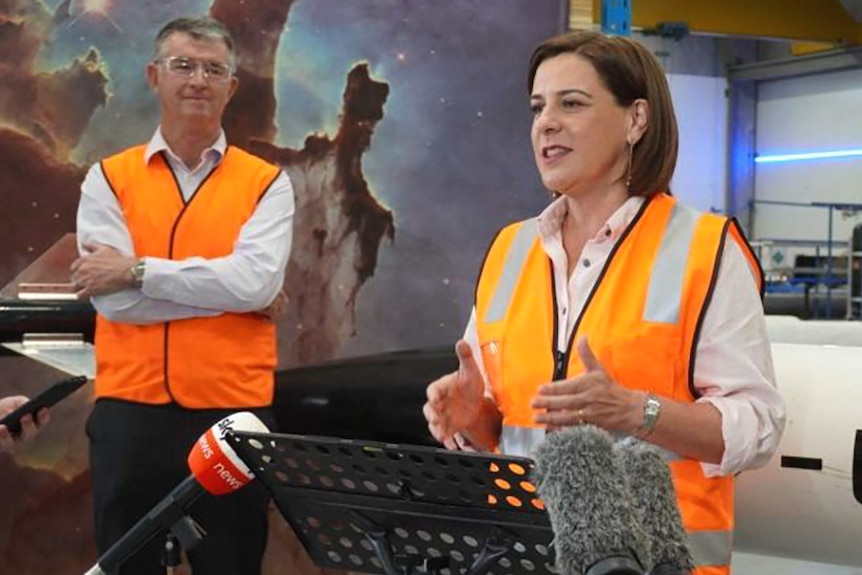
x,y
629,168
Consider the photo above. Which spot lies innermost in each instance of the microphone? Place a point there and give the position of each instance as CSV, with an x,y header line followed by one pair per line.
x,y
581,480
656,508
215,469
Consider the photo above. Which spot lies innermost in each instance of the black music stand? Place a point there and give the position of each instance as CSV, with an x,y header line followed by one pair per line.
x,y
401,509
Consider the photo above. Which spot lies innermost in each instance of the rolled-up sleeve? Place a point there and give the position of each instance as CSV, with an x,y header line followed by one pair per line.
x,y
734,371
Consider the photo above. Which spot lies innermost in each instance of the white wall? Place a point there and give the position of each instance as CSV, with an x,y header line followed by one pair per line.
x,y
813,113
701,112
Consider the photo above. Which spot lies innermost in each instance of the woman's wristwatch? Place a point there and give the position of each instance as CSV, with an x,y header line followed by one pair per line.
x,y
652,410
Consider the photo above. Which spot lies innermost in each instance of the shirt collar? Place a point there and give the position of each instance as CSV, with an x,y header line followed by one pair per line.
x,y
551,219
158,144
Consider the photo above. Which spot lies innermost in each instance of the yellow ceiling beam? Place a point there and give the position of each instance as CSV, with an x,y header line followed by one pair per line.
x,y
804,20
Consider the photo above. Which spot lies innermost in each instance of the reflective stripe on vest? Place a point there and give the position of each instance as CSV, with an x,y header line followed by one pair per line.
x,y
666,282
515,259
710,547
665,288
520,441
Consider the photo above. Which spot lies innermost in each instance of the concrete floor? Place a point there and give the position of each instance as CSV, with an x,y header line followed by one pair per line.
x,y
748,564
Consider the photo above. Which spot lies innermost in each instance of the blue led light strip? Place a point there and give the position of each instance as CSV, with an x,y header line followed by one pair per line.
x,y
807,156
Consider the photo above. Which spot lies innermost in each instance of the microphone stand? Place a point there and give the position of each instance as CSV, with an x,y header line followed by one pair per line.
x,y
172,554
185,534
497,544
184,529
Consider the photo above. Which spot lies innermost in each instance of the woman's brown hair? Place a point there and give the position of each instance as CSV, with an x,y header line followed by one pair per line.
x,y
630,72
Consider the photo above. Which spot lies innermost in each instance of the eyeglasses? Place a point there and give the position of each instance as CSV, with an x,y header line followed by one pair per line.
x,y
188,67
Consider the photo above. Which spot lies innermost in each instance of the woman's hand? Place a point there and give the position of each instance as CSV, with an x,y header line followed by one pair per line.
x,y
592,397
455,400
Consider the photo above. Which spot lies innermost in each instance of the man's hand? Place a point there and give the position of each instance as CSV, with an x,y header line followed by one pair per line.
x,y
101,270
29,427
455,400
592,397
277,308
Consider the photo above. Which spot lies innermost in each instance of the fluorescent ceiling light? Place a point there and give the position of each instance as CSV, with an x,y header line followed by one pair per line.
x,y
774,158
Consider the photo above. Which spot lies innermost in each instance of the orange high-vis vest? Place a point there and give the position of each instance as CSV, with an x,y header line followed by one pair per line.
x,y
642,320
209,362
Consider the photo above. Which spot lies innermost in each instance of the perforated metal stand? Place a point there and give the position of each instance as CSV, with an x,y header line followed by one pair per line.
x,y
399,510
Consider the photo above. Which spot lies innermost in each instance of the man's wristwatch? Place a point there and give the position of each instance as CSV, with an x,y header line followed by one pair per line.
x,y
652,410
137,271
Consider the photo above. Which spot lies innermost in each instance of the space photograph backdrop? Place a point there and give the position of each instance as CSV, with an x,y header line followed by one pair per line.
x,y
403,124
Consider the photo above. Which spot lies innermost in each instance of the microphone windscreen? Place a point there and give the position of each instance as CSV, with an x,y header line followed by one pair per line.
x,y
579,477
214,463
655,505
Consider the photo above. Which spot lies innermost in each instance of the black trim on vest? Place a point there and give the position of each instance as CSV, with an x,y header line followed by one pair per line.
x,y
186,204
179,188
623,237
108,181
167,336
267,188
559,358
762,286
712,281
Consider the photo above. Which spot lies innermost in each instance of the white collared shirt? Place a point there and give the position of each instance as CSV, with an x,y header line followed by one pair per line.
x,y
733,370
246,280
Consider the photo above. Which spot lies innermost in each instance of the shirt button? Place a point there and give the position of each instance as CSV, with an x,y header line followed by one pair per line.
x,y
586,263
607,232
564,311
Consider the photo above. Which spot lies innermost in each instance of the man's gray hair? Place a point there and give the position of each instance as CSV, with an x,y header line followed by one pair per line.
x,y
199,28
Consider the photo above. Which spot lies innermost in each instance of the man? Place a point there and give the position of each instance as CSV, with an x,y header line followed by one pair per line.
x,y
29,424
184,243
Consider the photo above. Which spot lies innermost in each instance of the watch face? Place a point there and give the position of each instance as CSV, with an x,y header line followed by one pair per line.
x,y
652,407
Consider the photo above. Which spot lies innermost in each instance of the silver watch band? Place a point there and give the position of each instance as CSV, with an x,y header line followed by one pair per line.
x,y
652,410
137,271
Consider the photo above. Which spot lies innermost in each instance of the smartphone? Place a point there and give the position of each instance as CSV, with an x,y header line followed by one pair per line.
x,y
47,398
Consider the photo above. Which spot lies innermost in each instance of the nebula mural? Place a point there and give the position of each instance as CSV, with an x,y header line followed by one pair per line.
x,y
403,125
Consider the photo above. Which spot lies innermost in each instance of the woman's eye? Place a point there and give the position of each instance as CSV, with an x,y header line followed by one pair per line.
x,y
535,108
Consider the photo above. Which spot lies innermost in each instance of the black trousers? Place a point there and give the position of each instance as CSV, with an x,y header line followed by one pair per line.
x,y
137,456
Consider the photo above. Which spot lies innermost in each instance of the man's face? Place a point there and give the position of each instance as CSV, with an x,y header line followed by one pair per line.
x,y
204,93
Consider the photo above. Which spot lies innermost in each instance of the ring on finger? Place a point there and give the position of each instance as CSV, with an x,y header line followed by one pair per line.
x,y
580,414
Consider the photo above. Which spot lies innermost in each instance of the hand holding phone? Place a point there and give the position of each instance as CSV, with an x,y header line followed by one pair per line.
x,y
29,424
11,423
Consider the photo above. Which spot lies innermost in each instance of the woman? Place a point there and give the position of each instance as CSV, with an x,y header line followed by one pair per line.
x,y
617,306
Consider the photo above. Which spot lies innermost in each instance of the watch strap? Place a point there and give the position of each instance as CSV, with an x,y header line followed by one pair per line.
x,y
137,272
652,411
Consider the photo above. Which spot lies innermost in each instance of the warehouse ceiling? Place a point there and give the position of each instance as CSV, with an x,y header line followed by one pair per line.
x,y
854,8
828,21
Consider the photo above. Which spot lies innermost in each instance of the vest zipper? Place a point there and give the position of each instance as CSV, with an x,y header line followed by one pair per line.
x,y
561,358
561,361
